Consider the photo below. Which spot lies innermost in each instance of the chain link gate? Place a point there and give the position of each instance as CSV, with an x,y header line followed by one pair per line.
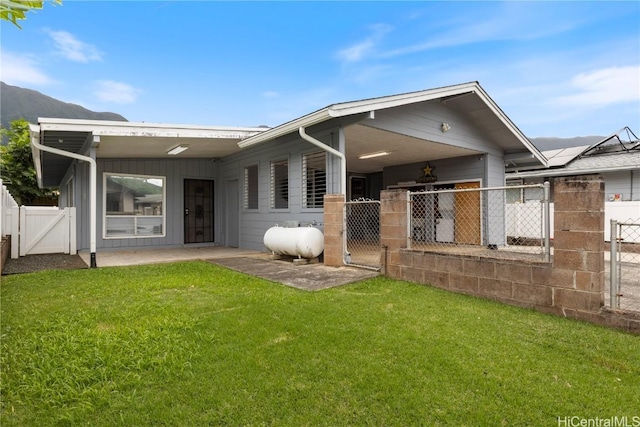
x,y
624,275
362,233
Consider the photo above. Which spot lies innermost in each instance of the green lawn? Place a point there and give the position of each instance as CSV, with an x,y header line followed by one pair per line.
x,y
191,344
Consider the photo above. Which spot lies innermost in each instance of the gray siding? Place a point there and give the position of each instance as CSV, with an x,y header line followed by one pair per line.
x,y
174,171
254,223
470,168
424,121
626,183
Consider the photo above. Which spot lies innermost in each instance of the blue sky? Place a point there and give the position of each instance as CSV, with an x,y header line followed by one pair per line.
x,y
556,68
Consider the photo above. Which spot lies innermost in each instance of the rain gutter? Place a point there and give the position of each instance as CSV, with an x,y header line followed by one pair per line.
x,y
325,147
92,185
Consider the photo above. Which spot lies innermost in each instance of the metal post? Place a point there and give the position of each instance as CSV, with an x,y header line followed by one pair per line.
x,y
613,268
547,221
409,220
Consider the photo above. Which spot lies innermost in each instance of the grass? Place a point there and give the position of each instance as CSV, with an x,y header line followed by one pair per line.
x,y
191,344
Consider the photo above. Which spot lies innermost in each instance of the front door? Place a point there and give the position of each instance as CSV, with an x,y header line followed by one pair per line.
x,y
198,211
467,206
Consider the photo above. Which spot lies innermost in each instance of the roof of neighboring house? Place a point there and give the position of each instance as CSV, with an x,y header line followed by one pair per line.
x,y
483,110
618,152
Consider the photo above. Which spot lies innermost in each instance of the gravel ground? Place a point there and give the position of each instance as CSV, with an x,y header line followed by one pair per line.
x,y
32,263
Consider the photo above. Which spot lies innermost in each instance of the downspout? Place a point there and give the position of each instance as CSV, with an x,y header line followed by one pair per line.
x,y
92,190
325,147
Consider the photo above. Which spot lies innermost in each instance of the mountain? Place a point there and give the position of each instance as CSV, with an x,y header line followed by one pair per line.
x,y
17,102
550,143
20,103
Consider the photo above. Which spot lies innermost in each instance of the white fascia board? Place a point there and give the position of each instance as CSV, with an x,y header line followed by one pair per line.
x,y
287,128
357,107
364,106
510,125
566,172
114,128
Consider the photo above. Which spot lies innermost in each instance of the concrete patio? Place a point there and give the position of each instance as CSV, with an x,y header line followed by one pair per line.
x,y
310,277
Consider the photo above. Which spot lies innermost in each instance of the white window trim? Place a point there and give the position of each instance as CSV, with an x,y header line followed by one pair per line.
x,y
104,206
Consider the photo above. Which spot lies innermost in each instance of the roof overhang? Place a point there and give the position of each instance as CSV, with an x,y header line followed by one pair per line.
x,y
500,126
112,139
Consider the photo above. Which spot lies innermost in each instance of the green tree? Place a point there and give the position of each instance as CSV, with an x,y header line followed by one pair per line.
x,y
16,10
17,170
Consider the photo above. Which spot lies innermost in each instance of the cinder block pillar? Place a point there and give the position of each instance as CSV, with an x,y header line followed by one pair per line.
x,y
393,230
578,258
333,230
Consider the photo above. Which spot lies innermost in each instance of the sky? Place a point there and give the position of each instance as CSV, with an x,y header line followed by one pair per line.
x,y
557,69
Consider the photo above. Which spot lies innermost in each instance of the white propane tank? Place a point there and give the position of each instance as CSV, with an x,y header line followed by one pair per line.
x,y
304,242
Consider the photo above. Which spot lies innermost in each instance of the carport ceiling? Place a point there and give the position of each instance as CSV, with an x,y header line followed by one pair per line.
x,y
157,147
403,149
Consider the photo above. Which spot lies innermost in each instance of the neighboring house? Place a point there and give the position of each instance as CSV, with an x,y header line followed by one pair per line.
x,y
174,185
616,158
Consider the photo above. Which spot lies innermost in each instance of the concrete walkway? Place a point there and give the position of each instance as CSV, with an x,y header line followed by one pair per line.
x,y
141,256
310,277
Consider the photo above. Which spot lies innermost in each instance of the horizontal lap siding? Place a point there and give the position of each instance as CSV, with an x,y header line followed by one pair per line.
x,y
469,168
624,182
424,121
254,223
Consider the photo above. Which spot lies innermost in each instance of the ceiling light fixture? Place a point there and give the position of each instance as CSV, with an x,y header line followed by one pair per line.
x,y
372,155
177,150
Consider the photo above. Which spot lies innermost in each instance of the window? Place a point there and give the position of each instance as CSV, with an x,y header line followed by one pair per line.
x,y
280,184
134,206
314,179
514,195
251,187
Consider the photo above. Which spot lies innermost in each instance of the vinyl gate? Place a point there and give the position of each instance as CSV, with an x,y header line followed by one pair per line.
x,y
624,275
43,230
362,233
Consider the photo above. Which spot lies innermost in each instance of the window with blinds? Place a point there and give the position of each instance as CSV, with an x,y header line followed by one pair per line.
x,y
314,179
280,184
251,187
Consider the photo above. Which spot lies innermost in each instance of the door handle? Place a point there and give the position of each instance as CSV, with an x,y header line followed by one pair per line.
x,y
186,211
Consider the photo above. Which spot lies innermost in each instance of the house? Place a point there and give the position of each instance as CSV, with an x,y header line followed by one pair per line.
x,y
152,185
616,158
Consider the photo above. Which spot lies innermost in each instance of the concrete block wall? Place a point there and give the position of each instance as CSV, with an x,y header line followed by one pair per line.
x,y
572,285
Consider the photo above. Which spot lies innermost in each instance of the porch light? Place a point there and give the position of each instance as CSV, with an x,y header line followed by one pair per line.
x,y
372,155
177,150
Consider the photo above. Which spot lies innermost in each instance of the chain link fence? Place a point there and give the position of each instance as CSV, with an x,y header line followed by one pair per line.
x,y
624,279
362,233
510,222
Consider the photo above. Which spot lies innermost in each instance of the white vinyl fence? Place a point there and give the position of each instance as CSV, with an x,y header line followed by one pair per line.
x,y
43,230
6,204
36,229
520,213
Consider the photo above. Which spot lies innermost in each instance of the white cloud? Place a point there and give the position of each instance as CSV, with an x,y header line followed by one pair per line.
x,y
73,49
603,87
270,94
116,92
22,69
508,21
366,47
